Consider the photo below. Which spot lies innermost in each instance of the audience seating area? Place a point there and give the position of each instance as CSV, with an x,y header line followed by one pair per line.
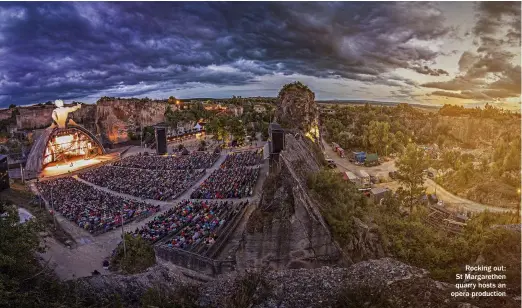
x,y
162,162
225,183
93,210
192,225
143,183
250,158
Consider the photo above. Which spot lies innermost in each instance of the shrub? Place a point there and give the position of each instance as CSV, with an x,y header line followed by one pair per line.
x,y
139,255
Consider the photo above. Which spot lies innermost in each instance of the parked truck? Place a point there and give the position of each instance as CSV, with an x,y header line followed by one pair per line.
x,y
338,149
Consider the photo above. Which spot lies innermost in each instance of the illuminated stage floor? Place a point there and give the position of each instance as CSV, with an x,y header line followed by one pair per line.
x,y
63,168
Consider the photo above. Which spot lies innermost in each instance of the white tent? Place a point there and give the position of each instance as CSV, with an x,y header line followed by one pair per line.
x,y
197,127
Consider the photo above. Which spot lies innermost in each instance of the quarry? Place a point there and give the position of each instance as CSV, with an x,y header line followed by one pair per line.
x,y
277,238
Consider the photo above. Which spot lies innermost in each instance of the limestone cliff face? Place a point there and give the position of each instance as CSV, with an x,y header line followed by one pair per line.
x,y
296,107
115,117
86,117
37,117
287,230
34,117
5,114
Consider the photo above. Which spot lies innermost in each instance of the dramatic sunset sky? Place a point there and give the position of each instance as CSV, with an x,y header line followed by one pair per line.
x,y
429,53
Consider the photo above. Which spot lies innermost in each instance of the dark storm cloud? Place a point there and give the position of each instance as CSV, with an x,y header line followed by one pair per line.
x,y
497,28
73,50
429,71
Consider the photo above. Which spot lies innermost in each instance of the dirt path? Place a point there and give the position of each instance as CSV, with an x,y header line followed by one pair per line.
x,y
382,171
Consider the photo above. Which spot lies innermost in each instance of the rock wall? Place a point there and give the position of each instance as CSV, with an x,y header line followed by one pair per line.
x,y
5,114
34,117
293,233
129,289
86,117
115,117
38,117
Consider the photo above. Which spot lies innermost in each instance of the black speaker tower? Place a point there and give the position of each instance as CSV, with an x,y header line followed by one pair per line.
x,y
277,140
4,173
161,139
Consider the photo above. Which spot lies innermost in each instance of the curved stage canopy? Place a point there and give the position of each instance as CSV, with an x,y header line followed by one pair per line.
x,y
61,145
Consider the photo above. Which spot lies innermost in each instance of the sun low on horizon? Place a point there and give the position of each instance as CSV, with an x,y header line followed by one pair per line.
x,y
463,53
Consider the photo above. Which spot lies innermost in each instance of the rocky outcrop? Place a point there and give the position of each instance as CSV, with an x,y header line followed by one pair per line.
x,y
296,107
86,117
288,230
364,243
34,117
38,117
5,114
115,117
376,283
128,288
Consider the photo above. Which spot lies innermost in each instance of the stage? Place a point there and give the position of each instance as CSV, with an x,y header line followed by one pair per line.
x,y
71,166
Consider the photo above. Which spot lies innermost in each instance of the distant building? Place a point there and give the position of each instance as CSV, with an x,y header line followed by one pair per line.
x,y
212,107
379,193
235,110
349,176
259,108
371,159
364,178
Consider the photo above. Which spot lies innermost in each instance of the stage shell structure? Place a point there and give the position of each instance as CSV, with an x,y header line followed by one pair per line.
x,y
62,142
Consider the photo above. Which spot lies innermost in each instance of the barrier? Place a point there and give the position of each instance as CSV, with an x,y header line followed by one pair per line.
x,y
194,261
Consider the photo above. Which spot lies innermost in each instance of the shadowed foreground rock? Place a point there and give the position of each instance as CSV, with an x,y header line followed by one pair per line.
x,y
127,288
376,283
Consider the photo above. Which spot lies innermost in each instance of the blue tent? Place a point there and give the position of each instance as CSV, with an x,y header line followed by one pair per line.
x,y
359,156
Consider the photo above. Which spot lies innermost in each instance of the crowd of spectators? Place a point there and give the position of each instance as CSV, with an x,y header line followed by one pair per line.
x,y
192,223
149,184
249,158
93,210
169,162
228,183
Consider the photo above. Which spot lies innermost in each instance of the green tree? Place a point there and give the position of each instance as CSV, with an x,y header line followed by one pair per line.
x,y
340,201
23,281
411,166
377,136
451,159
236,129
139,255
